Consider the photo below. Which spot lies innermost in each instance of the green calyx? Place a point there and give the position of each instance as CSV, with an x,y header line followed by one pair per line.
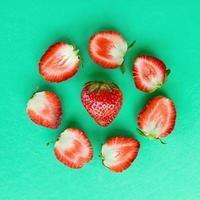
x,y
160,85
52,142
98,85
102,157
150,136
36,91
168,71
131,45
76,52
122,66
154,89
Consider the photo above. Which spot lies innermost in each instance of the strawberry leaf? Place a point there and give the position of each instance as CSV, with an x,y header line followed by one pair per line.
x,y
168,71
122,67
131,45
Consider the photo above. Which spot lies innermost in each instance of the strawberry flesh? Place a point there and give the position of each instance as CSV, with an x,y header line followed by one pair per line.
x,y
149,73
44,108
119,152
73,148
59,63
107,48
158,117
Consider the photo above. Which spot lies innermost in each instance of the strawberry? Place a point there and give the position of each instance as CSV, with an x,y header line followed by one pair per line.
x,y
59,63
149,73
119,152
102,100
44,108
108,48
157,119
73,148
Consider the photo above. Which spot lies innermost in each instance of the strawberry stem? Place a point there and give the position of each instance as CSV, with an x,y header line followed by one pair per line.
x,y
150,136
161,141
122,67
101,156
51,142
131,45
37,89
168,71
141,132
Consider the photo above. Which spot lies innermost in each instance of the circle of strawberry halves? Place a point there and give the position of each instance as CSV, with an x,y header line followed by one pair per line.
x,y
149,73
157,119
102,100
108,48
60,62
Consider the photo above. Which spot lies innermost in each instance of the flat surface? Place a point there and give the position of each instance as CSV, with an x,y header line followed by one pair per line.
x,y
167,29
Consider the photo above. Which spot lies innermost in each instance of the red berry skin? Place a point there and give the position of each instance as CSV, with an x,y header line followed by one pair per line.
x,y
103,103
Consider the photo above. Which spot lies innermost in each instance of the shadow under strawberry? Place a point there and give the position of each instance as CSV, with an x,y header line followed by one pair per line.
x,y
98,74
119,132
144,51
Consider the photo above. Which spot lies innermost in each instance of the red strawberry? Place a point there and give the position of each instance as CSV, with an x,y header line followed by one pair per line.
x,y
108,48
119,152
44,108
73,148
59,63
103,100
158,117
149,73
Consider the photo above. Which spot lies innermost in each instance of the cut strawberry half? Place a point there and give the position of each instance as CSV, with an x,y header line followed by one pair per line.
x,y
73,148
119,152
108,48
59,63
44,108
149,73
158,117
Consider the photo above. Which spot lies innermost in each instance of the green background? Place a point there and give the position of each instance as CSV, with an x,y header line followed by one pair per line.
x,y
169,30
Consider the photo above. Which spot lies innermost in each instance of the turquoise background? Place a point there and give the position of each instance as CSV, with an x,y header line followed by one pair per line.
x,y
169,30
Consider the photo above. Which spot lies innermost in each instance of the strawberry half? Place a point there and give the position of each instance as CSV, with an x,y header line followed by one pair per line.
x,y
157,119
149,73
73,148
44,108
102,100
59,63
108,48
119,152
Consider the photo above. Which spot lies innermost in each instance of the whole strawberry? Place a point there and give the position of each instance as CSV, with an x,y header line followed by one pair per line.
x,y
102,100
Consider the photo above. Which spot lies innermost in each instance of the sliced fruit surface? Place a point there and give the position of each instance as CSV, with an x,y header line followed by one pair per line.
x,y
107,48
149,73
73,148
158,117
60,62
119,152
44,108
